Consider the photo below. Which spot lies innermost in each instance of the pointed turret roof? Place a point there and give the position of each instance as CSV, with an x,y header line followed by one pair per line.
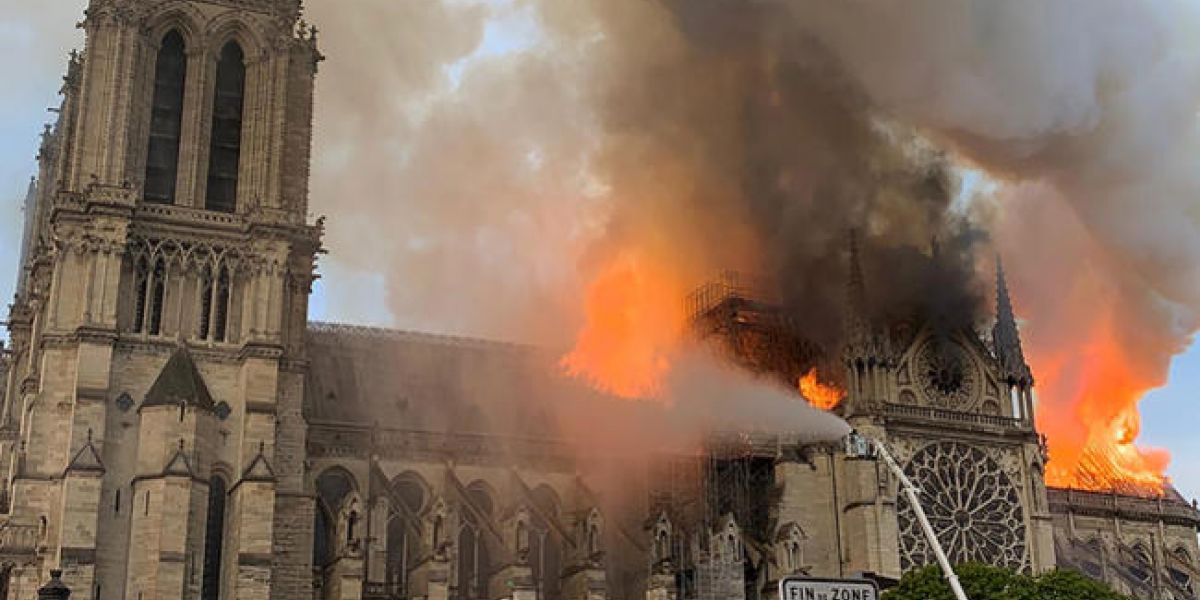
x,y
179,382
1006,340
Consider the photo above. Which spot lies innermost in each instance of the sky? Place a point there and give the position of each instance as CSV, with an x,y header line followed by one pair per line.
x,y
42,34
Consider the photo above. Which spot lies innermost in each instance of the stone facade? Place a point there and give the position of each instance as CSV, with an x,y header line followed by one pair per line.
x,y
173,427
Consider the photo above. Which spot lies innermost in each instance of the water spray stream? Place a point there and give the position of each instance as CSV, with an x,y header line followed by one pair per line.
x,y
867,446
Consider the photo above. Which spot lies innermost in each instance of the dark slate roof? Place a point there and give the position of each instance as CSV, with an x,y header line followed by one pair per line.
x,y
414,381
179,382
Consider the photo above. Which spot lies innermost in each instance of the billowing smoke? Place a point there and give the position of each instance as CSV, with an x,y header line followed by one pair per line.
x,y
1088,110
705,135
494,178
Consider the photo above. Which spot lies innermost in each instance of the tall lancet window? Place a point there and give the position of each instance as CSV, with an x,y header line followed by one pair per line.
x,y
214,538
166,120
225,145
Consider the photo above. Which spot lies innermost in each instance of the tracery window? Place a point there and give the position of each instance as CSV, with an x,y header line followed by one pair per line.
x,y
158,291
214,539
141,279
214,304
333,487
545,548
166,120
226,140
474,568
403,533
791,548
1142,566
972,504
149,296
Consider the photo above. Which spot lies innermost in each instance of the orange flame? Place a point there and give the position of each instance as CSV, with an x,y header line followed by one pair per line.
x,y
1093,448
633,323
818,394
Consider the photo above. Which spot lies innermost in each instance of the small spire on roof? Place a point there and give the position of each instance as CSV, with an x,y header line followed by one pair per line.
x,y
1006,339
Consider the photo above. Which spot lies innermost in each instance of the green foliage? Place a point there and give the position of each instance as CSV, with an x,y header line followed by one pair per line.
x,y
983,582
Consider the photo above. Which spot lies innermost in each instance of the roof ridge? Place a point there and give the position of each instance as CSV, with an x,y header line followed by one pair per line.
x,y
374,331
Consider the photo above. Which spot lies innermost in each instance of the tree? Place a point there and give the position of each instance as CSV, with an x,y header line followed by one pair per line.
x,y
984,582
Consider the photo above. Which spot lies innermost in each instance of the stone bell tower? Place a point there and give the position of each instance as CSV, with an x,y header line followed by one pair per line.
x,y
151,437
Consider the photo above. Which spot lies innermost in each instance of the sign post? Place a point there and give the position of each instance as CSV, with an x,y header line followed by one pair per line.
x,y
808,588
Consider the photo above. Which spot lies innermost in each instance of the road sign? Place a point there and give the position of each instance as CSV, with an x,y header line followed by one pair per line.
x,y
806,588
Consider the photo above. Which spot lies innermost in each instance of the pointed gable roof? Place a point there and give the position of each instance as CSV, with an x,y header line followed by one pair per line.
x,y
259,469
179,382
87,459
179,464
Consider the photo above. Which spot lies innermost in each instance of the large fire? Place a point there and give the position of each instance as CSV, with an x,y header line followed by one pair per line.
x,y
633,321
820,395
1088,390
1093,448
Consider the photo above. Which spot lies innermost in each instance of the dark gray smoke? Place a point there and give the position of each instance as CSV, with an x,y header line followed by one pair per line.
x,y
772,136
711,133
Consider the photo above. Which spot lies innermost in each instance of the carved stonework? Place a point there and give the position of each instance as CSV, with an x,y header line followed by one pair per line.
x,y
972,504
946,374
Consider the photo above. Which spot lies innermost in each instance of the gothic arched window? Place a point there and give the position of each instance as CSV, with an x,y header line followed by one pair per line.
x,y
226,141
545,548
1142,566
214,304
140,288
333,486
468,562
158,291
474,567
403,532
214,538
791,548
166,120
222,310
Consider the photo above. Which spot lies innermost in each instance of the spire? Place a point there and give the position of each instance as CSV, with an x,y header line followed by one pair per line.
x,y
860,341
1006,339
856,293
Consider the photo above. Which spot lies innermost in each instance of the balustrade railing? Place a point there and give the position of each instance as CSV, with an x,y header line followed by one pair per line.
x,y
942,414
1139,508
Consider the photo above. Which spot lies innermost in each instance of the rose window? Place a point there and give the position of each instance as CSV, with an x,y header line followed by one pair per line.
x,y
946,374
972,505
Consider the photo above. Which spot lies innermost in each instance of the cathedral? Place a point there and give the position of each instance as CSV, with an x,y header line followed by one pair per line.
x,y
173,426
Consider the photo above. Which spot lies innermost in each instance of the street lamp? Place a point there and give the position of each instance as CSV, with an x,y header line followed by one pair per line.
x,y
858,446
